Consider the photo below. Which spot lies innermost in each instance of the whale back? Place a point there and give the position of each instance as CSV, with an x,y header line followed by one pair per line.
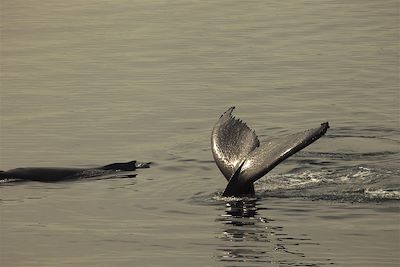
x,y
55,174
120,166
42,174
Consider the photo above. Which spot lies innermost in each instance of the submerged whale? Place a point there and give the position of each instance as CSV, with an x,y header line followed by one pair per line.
x,y
49,174
241,159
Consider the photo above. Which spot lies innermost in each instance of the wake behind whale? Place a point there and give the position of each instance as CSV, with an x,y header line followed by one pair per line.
x,y
241,159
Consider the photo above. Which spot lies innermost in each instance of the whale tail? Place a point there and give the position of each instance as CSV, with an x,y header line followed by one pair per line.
x,y
237,186
239,156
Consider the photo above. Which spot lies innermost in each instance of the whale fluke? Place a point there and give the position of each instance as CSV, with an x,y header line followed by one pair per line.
x,y
241,159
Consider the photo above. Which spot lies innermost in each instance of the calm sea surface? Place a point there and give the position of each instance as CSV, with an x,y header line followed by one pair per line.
x,y
87,83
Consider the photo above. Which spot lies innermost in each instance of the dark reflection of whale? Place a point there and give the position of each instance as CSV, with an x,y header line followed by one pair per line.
x,y
49,174
251,239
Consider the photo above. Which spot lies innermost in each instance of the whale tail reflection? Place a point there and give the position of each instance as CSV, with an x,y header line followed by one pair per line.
x,y
241,159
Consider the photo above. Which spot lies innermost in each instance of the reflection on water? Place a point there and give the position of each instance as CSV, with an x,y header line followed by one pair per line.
x,y
249,237
240,225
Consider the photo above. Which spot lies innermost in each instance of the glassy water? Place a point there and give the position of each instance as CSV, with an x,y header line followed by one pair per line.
x,y
90,83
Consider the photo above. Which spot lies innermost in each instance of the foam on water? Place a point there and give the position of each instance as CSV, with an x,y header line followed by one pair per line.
x,y
383,194
357,183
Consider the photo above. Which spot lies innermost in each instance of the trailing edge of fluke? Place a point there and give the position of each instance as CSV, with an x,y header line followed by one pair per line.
x,y
242,160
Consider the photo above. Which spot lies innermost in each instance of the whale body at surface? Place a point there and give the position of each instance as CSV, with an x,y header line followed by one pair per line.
x,y
54,174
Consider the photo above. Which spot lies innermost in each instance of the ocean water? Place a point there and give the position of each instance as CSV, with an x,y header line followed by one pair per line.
x,y
87,83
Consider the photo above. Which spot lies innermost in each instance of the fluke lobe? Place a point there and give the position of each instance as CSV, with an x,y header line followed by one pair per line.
x,y
241,159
